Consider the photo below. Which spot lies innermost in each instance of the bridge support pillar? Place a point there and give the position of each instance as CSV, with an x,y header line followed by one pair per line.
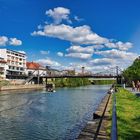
x,y
38,78
46,81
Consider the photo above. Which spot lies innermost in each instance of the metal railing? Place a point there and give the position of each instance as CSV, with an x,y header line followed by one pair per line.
x,y
114,134
101,119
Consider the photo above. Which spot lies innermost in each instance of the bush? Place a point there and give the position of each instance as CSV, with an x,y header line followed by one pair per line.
x,y
4,83
71,82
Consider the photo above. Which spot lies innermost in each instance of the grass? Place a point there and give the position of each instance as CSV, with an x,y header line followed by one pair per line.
x,y
128,115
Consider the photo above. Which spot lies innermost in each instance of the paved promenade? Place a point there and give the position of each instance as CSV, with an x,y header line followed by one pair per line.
x,y
89,132
130,89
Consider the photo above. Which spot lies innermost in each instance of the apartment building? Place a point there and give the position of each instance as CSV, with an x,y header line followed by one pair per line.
x,y
2,68
16,61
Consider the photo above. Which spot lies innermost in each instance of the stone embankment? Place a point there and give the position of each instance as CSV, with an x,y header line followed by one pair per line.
x,y
97,128
21,87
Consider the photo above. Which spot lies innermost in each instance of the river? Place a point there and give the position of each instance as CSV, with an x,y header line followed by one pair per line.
x,y
38,115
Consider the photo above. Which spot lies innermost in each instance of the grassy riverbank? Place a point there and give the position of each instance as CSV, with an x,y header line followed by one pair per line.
x,y
4,83
104,82
71,82
128,115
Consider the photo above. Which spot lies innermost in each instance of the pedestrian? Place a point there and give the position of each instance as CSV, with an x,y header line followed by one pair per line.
x,y
124,85
133,86
138,86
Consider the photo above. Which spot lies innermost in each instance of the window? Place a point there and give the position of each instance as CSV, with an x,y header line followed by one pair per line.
x,y
21,69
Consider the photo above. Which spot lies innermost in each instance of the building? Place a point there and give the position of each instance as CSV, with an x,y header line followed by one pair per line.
x,y
16,62
68,72
36,69
2,68
33,68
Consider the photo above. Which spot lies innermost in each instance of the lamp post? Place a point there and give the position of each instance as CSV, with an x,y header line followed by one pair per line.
x,y
83,70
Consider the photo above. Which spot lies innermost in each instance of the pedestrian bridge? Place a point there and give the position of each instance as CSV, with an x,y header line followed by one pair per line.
x,y
81,76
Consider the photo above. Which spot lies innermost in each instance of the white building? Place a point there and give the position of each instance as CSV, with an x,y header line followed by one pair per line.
x,y
35,69
2,68
16,62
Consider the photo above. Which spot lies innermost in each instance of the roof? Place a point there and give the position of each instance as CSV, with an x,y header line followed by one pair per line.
x,y
16,51
33,65
19,52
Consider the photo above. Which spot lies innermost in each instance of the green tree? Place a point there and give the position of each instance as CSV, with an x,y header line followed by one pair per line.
x,y
133,72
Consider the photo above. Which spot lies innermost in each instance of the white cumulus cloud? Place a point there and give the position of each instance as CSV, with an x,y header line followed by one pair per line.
x,y
102,61
119,45
60,54
48,62
77,18
58,14
114,53
3,40
83,56
79,52
15,42
79,35
44,52
79,49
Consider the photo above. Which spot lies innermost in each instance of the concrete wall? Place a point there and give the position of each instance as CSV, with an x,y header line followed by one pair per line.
x,y
19,87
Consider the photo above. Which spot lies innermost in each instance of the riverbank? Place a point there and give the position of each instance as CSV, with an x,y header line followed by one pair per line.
x,y
91,128
71,82
20,87
104,82
128,115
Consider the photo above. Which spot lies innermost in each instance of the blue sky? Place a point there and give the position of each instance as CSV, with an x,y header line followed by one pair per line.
x,y
107,35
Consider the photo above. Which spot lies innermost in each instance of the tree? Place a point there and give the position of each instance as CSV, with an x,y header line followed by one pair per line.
x,y
133,72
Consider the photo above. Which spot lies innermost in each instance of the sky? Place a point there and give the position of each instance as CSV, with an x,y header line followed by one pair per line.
x,y
69,34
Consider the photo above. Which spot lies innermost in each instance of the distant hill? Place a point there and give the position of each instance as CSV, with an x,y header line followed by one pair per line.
x,y
133,72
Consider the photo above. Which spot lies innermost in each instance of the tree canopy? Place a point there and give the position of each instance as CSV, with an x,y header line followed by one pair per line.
x,y
133,72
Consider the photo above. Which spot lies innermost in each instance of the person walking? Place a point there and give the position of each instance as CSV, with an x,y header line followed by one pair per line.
x,y
133,86
138,86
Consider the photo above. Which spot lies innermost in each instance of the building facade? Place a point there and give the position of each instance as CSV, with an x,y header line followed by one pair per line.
x,y
33,68
2,68
16,62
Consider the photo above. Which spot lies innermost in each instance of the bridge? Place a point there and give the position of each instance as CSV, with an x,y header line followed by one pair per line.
x,y
110,73
113,72
80,76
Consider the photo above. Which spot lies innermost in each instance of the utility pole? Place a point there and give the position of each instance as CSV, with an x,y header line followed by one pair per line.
x,y
117,74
